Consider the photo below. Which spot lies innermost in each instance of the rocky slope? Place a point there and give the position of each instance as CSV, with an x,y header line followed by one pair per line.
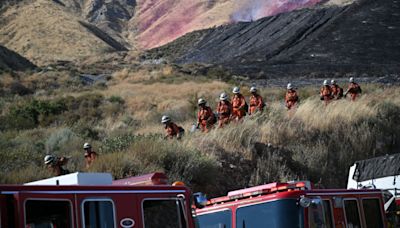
x,y
10,60
44,32
359,38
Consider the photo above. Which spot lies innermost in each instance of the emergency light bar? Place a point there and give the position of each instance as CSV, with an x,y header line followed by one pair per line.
x,y
262,190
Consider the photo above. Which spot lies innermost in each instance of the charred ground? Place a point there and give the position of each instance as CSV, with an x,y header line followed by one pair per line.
x,y
359,38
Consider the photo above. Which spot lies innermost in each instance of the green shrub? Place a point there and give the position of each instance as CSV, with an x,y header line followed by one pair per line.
x,y
151,154
32,113
116,99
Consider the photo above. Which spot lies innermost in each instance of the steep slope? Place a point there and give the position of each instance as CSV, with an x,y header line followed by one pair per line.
x,y
159,22
49,30
358,38
112,17
45,32
10,60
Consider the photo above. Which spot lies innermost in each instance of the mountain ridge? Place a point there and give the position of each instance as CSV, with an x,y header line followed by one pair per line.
x,y
358,38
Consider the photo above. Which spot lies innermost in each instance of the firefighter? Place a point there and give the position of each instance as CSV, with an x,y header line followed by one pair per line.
x,y
354,89
238,105
205,116
291,98
55,165
171,129
337,91
90,155
224,110
256,101
326,92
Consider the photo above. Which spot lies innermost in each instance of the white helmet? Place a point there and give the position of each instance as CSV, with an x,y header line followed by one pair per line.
x,y
86,146
165,119
201,101
326,83
351,79
253,89
236,90
333,82
223,97
289,86
49,159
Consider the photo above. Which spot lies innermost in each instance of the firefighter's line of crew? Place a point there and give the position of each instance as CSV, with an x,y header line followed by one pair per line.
x,y
226,112
234,110
55,164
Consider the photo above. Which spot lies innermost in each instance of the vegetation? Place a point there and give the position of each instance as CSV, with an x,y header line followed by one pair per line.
x,y
121,121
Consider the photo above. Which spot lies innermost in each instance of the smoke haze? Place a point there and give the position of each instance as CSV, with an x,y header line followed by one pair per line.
x,y
251,10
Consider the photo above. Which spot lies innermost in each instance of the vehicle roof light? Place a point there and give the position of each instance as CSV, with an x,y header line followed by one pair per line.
x,y
261,190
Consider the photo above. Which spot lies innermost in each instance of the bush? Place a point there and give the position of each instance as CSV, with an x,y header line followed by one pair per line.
x,y
116,99
32,113
150,154
62,137
19,89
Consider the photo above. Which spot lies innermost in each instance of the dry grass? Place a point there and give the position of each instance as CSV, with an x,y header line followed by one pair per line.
x,y
315,142
44,32
147,102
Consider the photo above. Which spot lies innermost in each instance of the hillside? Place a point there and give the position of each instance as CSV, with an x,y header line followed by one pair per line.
x,y
160,22
358,38
69,30
121,119
10,60
44,32
112,17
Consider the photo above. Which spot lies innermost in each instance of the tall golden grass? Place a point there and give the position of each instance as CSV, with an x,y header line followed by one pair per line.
x,y
315,142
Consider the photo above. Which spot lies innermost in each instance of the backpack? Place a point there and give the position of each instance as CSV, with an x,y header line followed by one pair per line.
x,y
340,93
246,107
181,130
214,118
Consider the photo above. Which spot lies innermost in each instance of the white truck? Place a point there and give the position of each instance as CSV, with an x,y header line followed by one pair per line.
x,y
380,173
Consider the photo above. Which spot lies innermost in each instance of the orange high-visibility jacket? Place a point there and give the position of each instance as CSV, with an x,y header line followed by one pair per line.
x,y
336,91
171,130
90,157
224,109
238,101
205,114
326,91
256,102
354,89
291,95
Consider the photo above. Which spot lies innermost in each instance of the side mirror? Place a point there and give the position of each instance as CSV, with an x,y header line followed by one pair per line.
x,y
200,200
304,201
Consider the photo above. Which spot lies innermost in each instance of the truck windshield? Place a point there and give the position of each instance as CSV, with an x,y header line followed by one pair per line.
x,y
278,214
220,219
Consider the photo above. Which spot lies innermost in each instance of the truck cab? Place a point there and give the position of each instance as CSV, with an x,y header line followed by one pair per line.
x,y
295,204
87,205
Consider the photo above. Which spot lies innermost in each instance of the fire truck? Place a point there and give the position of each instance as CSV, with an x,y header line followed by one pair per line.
x,y
93,200
292,205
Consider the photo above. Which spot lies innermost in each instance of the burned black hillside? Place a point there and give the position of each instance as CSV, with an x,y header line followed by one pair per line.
x,y
360,38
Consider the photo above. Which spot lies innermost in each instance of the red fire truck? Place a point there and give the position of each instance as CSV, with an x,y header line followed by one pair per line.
x,y
87,201
289,205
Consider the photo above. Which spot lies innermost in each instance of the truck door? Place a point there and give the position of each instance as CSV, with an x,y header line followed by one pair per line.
x,y
7,211
167,211
373,212
47,210
107,210
352,213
